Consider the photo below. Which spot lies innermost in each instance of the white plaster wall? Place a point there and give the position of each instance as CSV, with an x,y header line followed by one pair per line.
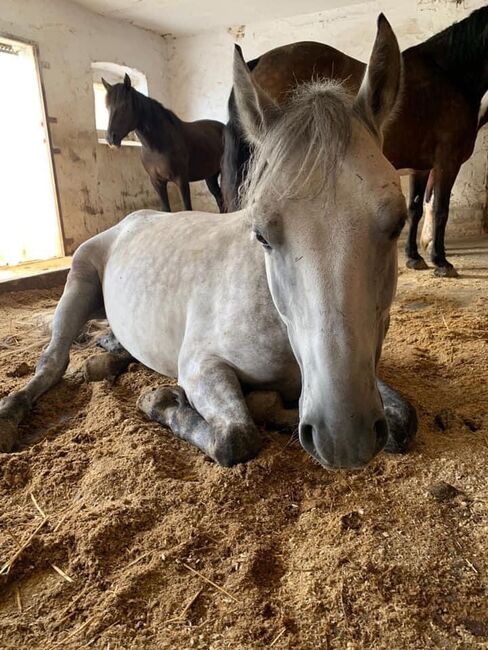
x,y
200,72
97,185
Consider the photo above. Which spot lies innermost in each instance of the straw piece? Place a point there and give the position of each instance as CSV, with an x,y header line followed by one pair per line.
x,y
444,319
62,573
277,638
471,566
6,567
13,537
18,599
61,520
138,559
200,575
73,633
38,507
190,603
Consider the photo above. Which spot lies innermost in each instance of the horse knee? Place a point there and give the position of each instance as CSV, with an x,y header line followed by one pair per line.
x,y
236,444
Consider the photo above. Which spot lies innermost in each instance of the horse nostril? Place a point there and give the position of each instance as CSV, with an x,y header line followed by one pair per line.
x,y
381,430
306,437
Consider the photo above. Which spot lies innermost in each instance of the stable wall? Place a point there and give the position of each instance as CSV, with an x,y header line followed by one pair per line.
x,y
200,74
97,186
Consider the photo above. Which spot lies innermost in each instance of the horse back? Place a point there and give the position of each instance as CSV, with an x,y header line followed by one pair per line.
x,y
308,61
204,140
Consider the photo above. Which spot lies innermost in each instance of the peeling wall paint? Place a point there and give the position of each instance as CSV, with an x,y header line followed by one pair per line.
x,y
97,186
204,63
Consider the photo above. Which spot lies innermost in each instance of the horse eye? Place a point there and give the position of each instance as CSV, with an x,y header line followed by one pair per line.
x,y
262,240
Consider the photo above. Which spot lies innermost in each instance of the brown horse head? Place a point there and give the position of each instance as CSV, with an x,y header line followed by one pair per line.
x,y
121,102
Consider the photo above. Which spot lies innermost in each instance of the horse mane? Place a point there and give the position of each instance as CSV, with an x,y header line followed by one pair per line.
x,y
461,47
153,112
304,148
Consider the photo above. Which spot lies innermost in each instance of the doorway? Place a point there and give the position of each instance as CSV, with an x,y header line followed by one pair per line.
x,y
29,219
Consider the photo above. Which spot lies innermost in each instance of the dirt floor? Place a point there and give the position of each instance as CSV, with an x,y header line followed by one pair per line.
x,y
147,544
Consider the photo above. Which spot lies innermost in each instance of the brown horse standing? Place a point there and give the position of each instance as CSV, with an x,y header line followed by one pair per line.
x,y
434,127
172,150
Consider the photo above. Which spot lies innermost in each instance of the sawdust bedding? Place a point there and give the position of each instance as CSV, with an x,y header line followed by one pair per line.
x,y
147,544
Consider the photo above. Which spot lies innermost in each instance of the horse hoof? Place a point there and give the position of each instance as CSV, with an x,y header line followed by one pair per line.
x,y
446,272
402,425
154,402
104,366
418,263
237,445
8,435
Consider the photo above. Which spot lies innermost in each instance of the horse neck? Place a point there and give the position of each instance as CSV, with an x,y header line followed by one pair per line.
x,y
461,51
156,125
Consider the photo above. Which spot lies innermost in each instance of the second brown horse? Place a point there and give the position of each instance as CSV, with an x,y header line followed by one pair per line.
x,y
172,150
434,127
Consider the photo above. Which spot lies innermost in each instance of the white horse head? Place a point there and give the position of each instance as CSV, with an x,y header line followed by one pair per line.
x,y
327,208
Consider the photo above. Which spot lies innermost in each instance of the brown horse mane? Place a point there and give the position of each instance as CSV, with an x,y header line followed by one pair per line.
x,y
153,111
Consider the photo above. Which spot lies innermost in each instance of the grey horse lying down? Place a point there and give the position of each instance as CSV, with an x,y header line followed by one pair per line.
x,y
291,294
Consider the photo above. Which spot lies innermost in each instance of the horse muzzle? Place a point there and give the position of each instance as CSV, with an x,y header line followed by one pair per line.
x,y
113,141
344,447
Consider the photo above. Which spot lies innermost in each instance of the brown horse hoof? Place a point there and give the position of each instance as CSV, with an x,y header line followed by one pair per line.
x,y
418,264
8,435
446,272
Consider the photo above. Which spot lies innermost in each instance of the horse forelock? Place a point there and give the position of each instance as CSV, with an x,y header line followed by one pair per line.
x,y
303,150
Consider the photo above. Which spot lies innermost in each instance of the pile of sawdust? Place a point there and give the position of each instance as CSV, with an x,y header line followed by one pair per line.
x,y
148,544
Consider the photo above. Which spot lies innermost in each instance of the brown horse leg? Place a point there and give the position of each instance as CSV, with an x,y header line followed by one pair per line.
x,y
214,188
161,188
184,187
443,182
418,183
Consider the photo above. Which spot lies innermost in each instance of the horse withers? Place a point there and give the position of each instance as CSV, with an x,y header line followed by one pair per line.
x,y
172,150
291,294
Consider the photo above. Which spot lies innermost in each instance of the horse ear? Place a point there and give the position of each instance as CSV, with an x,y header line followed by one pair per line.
x,y
127,83
106,84
382,81
256,110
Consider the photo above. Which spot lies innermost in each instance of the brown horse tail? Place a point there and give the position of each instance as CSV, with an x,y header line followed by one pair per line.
x,y
236,154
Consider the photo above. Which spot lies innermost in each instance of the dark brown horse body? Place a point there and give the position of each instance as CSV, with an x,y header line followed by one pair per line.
x,y
434,127
172,150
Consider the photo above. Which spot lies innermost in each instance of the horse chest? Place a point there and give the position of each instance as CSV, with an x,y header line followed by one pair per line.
x,y
160,166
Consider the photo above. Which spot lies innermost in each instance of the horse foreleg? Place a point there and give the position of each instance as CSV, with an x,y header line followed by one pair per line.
x,y
219,424
418,183
161,188
81,299
184,187
443,181
401,417
214,188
